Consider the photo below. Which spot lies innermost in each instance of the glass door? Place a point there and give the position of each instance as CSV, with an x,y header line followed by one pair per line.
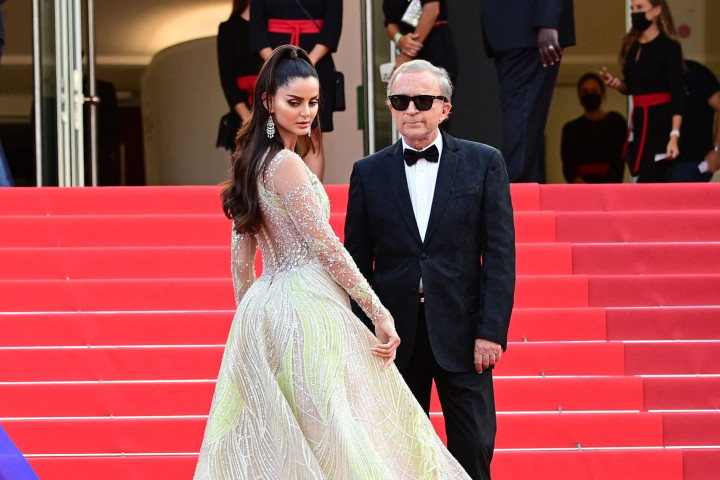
x,y
58,92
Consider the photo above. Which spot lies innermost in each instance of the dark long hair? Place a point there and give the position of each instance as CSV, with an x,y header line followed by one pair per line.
x,y
240,194
665,25
239,6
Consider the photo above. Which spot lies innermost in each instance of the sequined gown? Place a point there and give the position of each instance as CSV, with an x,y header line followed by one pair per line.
x,y
299,394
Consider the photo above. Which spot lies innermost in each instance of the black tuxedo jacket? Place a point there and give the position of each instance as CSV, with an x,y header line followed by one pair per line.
x,y
511,24
471,219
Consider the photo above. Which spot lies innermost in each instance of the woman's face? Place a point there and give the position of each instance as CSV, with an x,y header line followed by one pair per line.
x,y
651,12
589,87
295,106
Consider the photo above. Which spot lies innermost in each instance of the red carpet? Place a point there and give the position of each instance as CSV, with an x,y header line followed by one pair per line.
x,y
115,305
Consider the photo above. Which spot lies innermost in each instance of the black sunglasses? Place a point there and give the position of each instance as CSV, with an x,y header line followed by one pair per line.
x,y
422,102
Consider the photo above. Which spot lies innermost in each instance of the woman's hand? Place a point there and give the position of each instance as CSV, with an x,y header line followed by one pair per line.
x,y
612,81
672,148
409,44
385,332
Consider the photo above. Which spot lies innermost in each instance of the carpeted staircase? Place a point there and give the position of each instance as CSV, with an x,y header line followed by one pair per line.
x,y
115,304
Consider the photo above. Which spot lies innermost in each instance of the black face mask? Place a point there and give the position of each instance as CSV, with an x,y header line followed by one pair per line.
x,y
640,21
591,101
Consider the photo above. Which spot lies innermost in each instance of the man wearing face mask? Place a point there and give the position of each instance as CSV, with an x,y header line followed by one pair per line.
x,y
591,147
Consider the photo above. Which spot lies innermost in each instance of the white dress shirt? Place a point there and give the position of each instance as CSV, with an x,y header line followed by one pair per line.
x,y
421,179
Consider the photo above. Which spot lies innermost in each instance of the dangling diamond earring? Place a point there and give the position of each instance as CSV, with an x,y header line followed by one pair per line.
x,y
270,129
310,132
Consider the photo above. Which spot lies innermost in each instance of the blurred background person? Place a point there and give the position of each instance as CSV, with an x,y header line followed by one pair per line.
x,y
526,39
314,25
652,64
429,39
592,144
238,71
699,142
6,179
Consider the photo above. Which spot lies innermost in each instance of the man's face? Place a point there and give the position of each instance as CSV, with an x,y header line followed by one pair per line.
x,y
419,128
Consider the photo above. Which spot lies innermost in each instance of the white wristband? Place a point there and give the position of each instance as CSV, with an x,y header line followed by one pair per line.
x,y
675,133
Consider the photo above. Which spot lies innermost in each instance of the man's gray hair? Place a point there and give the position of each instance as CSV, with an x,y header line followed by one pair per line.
x,y
446,87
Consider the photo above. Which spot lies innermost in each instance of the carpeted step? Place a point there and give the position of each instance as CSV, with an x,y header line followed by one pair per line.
x,y
507,465
681,393
618,197
105,399
558,358
701,464
196,262
180,230
110,363
563,394
638,226
184,434
672,358
180,362
192,397
573,430
645,258
630,464
557,324
653,290
117,467
691,429
115,328
106,435
658,323
217,294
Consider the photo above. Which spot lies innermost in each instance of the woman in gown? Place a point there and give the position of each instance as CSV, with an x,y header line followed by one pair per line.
x,y
305,391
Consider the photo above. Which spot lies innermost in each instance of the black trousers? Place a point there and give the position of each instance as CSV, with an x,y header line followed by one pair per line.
x,y
467,399
526,89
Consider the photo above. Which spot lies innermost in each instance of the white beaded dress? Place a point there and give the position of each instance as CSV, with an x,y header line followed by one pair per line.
x,y
299,394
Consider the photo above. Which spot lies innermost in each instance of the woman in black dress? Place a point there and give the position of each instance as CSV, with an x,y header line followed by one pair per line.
x,y
238,71
653,68
592,145
315,26
429,39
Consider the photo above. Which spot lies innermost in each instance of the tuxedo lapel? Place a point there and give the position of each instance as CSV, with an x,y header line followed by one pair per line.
x,y
443,184
395,166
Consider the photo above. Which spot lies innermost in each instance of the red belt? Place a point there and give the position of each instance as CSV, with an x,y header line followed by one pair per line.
x,y
294,28
247,83
593,169
643,101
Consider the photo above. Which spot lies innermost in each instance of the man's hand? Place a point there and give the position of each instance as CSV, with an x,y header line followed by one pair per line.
x,y
487,353
385,332
548,46
409,45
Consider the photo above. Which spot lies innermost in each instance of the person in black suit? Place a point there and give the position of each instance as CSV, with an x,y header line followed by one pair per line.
x,y
430,225
526,39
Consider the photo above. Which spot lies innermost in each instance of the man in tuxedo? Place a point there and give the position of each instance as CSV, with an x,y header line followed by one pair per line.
x,y
526,39
430,225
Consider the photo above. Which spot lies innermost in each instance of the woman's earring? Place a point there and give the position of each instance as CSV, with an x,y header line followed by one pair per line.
x,y
270,129
310,132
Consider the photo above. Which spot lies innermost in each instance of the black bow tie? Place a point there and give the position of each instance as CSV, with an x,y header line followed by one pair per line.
x,y
430,154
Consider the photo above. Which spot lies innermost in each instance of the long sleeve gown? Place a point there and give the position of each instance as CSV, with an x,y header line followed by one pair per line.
x,y
299,394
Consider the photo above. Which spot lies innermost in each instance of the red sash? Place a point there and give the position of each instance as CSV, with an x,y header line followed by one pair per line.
x,y
294,28
643,101
593,169
247,83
